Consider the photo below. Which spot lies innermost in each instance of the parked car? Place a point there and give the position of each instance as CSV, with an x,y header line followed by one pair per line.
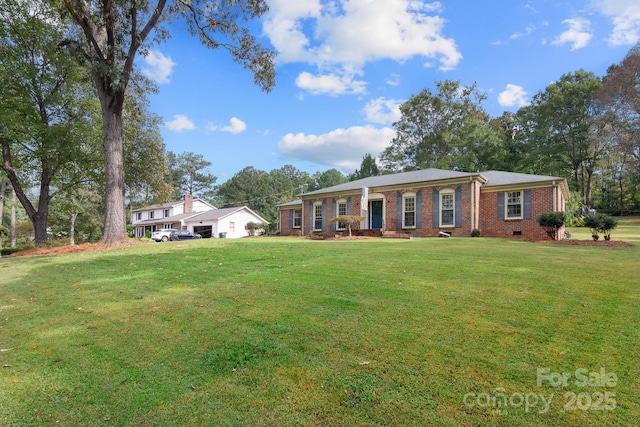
x,y
183,235
584,211
162,235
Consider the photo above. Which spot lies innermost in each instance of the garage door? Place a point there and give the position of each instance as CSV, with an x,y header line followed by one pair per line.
x,y
203,230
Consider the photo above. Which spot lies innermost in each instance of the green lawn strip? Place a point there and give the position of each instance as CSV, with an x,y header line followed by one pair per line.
x,y
295,332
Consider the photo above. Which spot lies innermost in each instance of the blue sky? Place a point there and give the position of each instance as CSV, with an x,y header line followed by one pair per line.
x,y
344,67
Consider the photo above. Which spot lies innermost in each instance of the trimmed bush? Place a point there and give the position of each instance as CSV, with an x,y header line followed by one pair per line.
x,y
600,223
475,233
552,222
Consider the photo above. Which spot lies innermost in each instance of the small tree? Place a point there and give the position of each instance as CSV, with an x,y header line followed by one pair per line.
x,y
594,222
552,222
251,227
348,219
608,224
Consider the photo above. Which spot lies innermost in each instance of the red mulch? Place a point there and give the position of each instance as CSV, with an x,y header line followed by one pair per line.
x,y
601,243
68,249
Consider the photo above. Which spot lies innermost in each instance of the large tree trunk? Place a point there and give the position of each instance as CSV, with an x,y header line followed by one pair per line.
x,y
115,224
38,217
13,241
3,189
589,187
72,228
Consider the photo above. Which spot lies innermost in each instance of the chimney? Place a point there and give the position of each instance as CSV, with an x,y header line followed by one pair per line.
x,y
188,203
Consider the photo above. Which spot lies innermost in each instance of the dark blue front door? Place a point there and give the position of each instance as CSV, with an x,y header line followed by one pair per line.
x,y
375,214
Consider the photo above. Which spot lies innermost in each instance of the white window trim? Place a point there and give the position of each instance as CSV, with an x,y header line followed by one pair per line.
x,y
341,225
406,196
151,215
507,204
446,192
293,213
165,212
316,217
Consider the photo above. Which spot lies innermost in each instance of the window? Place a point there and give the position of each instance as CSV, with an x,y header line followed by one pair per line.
x,y
232,227
447,208
139,216
166,226
342,210
514,204
166,213
297,218
139,230
317,216
151,215
409,210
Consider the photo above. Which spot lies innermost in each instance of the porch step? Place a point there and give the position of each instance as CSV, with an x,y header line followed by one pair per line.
x,y
396,235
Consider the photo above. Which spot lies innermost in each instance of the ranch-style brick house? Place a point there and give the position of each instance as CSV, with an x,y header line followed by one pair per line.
x,y
431,203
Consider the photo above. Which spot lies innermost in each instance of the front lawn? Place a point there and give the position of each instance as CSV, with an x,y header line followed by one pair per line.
x,y
285,331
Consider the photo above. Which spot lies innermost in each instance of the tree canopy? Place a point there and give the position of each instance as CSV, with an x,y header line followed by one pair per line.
x,y
447,129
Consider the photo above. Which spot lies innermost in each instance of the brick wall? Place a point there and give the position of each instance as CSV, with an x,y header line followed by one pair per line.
x,y
491,226
391,201
286,221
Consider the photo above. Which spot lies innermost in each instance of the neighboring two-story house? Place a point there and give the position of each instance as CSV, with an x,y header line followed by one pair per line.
x,y
194,215
167,215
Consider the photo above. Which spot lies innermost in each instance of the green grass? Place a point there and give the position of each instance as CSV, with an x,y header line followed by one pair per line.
x,y
281,331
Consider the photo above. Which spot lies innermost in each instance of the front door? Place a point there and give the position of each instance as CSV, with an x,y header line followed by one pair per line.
x,y
375,214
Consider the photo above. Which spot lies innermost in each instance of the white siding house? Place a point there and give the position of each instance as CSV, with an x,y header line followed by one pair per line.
x,y
167,215
230,221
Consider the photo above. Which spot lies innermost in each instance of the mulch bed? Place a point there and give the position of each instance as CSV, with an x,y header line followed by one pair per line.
x,y
68,249
600,243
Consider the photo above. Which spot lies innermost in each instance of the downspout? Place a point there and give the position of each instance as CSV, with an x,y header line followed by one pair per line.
x,y
280,220
555,196
473,205
302,219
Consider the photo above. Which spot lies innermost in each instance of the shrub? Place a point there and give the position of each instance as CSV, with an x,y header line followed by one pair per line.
x,y
251,227
608,224
9,251
475,233
552,221
147,234
600,223
594,222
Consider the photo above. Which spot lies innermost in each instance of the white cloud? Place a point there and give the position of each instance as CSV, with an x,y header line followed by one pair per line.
x,y
383,111
157,67
180,122
345,35
513,95
331,84
527,32
393,80
625,16
235,127
341,148
578,34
